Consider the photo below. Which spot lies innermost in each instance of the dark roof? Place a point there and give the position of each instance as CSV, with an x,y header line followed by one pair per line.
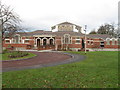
x,y
67,32
103,36
69,24
41,32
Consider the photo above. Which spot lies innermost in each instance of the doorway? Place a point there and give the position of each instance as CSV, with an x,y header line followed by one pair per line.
x,y
38,42
51,41
44,42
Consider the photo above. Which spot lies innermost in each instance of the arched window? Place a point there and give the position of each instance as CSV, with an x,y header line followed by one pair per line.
x,y
44,41
108,41
51,41
113,41
16,39
67,39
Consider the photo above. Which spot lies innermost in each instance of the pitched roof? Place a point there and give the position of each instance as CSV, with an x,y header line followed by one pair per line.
x,y
66,23
67,32
103,36
41,32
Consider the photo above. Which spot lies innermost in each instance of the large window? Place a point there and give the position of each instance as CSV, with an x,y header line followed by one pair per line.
x,y
67,39
16,39
44,41
51,42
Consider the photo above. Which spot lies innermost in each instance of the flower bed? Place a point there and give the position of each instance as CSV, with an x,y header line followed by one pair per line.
x,y
17,54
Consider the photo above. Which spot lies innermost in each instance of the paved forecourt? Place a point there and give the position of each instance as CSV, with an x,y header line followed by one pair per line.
x,y
43,59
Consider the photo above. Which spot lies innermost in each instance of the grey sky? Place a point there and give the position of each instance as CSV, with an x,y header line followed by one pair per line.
x,y
42,14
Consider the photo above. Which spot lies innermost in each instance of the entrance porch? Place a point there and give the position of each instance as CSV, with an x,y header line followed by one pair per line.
x,y
44,42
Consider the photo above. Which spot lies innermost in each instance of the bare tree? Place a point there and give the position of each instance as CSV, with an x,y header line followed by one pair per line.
x,y
10,21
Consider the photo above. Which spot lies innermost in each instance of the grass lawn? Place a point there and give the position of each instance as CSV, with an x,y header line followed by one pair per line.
x,y
5,56
99,70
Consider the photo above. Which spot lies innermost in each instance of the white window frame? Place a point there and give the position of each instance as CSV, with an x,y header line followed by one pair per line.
x,y
79,40
9,41
26,42
69,39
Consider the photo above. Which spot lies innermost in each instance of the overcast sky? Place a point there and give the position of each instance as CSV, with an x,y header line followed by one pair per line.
x,y
42,14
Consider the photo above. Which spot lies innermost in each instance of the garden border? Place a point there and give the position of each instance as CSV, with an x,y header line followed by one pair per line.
x,y
18,59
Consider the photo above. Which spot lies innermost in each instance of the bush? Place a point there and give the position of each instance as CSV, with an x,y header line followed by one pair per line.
x,y
5,51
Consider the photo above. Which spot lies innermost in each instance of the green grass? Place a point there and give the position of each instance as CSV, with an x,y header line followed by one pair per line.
x,y
99,70
5,56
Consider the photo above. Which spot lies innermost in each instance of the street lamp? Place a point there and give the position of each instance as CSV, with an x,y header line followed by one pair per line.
x,y
85,37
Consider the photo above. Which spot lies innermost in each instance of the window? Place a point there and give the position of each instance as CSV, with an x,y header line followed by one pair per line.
x,y
7,41
101,43
77,41
67,39
26,41
16,39
13,41
88,42
51,41
91,43
108,42
113,41
44,41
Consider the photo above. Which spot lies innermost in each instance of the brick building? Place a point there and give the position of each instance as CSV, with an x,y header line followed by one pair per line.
x,y
68,36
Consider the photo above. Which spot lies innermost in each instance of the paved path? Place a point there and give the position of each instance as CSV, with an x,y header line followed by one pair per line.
x,y
43,59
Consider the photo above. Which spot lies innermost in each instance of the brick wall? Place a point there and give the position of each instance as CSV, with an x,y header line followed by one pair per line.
x,y
93,43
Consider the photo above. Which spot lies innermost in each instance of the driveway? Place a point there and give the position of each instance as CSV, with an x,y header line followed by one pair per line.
x,y
43,59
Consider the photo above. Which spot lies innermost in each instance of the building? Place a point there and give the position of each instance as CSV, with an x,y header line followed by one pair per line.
x,y
65,38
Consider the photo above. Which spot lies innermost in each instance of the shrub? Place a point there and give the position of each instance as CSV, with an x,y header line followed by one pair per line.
x,y
5,51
